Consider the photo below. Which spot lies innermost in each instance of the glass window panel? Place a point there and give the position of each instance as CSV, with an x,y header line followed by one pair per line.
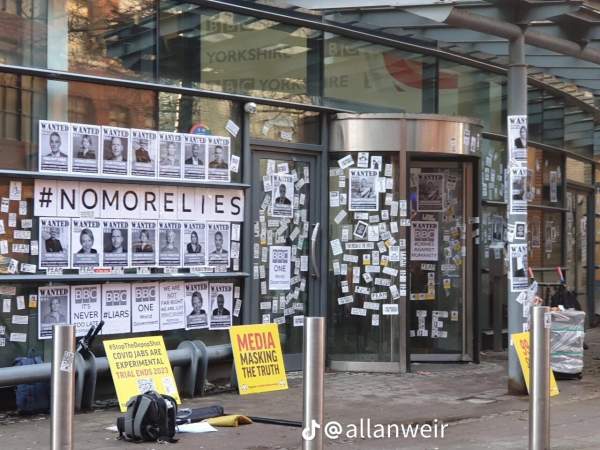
x,y
493,157
285,125
467,91
115,38
579,171
535,113
579,131
223,51
182,113
553,120
367,77
545,179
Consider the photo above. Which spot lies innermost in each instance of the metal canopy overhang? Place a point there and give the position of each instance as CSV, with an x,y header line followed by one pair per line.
x,y
481,29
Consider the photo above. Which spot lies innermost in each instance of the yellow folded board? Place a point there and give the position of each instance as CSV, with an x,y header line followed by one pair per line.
x,y
232,420
521,343
258,358
138,365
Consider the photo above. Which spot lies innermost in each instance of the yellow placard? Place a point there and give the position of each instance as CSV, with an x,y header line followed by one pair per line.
x,y
138,365
258,359
521,343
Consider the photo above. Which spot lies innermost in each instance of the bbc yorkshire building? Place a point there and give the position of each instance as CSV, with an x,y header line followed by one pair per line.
x,y
345,132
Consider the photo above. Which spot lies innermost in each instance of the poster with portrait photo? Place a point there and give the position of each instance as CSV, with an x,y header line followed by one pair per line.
x,y
169,244
53,309
116,308
218,243
360,229
169,160
363,192
377,163
86,307
86,243
517,138
517,254
196,305
145,308
218,152
54,240
115,150
282,198
53,146
144,151
430,192
143,243
194,166
518,190
172,305
85,148
194,244
221,304
115,239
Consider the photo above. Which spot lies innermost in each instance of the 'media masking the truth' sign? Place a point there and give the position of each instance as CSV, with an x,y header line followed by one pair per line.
x,y
122,201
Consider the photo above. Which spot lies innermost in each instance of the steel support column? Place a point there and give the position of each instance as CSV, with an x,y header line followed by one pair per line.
x,y
517,105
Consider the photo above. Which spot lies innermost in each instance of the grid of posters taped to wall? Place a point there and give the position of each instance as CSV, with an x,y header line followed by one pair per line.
x,y
104,150
281,241
437,250
138,307
368,260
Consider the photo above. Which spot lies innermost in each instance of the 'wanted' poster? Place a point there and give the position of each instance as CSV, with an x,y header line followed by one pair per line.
x,y
218,158
280,268
430,192
116,308
115,238
194,167
86,242
363,190
196,305
172,309
53,309
423,241
282,198
169,161
518,190
518,267
85,307
194,244
55,242
85,148
115,148
221,301
145,309
53,145
143,243
218,244
144,145
517,138
169,242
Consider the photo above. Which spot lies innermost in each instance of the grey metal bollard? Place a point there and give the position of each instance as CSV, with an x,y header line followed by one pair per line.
x,y
62,398
539,379
314,373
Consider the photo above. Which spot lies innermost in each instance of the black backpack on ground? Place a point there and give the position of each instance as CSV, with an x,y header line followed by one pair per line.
x,y
149,417
32,398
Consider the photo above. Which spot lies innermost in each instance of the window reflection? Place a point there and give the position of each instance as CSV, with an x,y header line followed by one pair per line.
x,y
285,125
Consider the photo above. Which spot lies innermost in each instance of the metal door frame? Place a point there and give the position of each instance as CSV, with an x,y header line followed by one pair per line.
x,y
314,306
470,279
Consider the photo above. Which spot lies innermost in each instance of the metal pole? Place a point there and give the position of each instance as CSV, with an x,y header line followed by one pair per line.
x,y
63,388
539,379
314,371
517,105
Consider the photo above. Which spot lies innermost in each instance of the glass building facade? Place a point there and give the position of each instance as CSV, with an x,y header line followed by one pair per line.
x,y
172,66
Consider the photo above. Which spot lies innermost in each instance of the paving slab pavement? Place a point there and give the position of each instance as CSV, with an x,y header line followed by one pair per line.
x,y
470,399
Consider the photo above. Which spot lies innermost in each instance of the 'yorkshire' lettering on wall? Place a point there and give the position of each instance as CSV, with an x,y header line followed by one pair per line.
x,y
132,201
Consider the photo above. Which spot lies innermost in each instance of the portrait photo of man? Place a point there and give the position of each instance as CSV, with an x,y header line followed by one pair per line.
x,y
220,310
196,157
53,244
55,143
54,314
171,158
117,241
117,150
282,198
141,152
218,241
218,161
